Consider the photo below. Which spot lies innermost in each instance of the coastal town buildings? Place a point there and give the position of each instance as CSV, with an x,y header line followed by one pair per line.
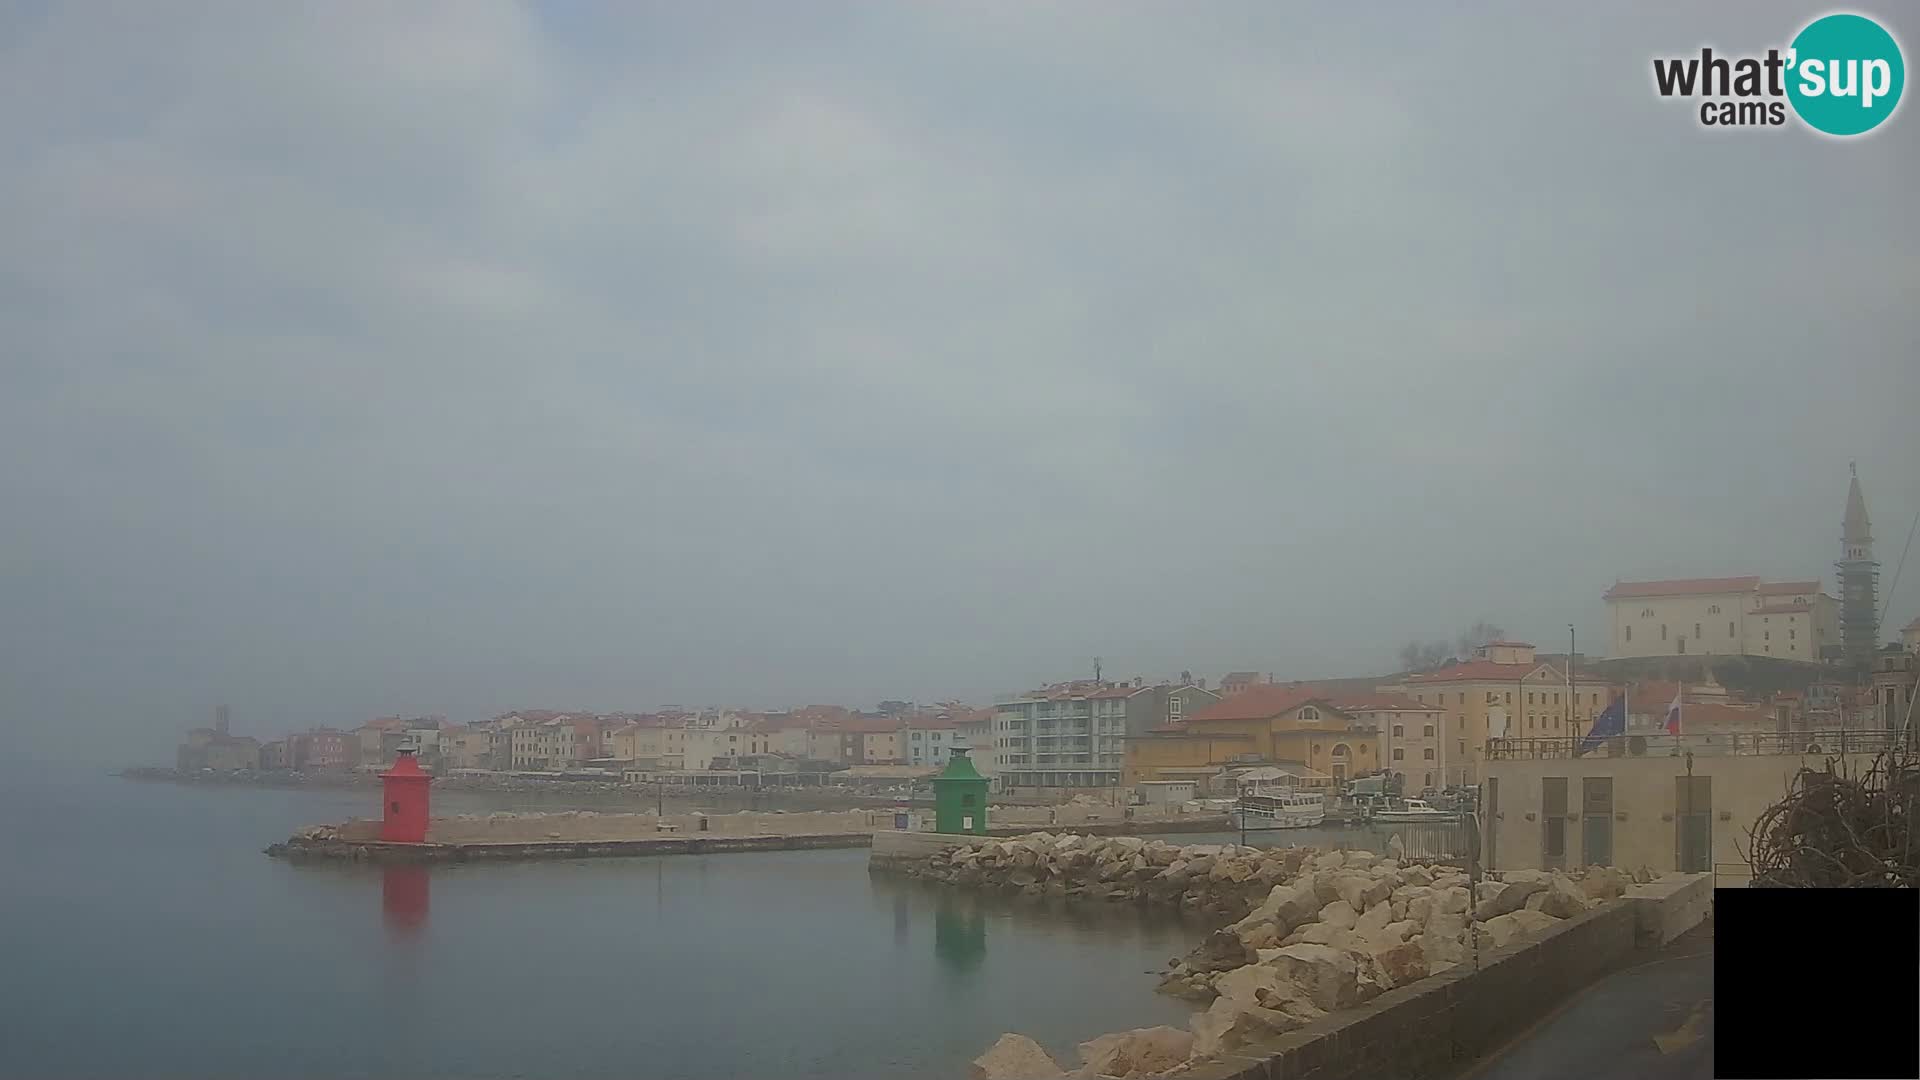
x,y
1894,682
1502,691
1339,735
1069,735
217,748
320,748
1736,616
1156,706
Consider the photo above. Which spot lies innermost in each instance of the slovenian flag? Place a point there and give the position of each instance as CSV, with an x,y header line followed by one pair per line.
x,y
1610,724
1673,712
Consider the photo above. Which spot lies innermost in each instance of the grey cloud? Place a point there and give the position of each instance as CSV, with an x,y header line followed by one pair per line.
x,y
365,358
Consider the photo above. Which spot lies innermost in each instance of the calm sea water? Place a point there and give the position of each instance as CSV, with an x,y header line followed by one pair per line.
x,y
143,934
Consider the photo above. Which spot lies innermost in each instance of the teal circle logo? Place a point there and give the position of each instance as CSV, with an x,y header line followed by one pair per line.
x,y
1845,74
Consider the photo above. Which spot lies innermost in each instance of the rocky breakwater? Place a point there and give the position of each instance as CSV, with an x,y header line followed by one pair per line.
x,y
1225,881
1311,933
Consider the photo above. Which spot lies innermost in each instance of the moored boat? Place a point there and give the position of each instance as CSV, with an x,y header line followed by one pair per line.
x,y
1289,810
1410,810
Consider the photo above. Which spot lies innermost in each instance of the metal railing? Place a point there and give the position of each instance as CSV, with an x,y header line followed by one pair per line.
x,y
1430,841
1757,743
1731,875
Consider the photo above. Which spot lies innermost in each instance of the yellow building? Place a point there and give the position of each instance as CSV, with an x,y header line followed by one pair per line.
x,y
665,747
1266,723
1503,691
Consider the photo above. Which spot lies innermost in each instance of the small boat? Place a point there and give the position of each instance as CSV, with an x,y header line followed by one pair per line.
x,y
1291,810
1410,810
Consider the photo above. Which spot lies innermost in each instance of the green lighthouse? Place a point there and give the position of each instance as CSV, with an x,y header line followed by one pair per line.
x,y
960,796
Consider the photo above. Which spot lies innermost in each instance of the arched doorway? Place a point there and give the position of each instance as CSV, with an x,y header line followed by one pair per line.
x,y
1341,762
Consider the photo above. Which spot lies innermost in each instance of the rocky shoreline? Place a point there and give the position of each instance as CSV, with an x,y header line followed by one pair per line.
x,y
1305,933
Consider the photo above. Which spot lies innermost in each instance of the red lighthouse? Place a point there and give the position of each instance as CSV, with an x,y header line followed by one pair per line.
x,y
405,786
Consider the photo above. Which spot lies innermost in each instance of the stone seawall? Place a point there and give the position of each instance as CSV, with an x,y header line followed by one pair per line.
x,y
1342,962
1434,1025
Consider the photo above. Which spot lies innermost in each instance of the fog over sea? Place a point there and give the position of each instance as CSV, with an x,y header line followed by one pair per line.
x,y
144,934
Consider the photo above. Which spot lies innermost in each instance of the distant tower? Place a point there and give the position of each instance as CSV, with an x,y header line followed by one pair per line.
x,y
1859,580
220,717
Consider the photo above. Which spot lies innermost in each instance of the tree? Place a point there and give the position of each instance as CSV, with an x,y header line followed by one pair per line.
x,y
1424,655
1480,633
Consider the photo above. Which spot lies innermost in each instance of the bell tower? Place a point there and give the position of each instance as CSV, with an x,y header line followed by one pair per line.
x,y
1859,578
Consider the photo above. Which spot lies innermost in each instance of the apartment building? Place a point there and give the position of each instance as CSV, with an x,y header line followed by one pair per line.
x,y
1065,736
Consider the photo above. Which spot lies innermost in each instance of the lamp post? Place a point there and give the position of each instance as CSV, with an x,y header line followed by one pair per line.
x,y
1572,649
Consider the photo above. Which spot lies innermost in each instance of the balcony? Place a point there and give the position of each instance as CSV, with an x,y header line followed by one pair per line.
x,y
1729,744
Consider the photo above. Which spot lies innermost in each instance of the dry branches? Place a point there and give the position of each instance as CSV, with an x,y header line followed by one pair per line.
x,y
1842,828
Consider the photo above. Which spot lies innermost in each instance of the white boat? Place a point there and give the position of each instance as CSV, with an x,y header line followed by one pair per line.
x,y
1291,810
1410,810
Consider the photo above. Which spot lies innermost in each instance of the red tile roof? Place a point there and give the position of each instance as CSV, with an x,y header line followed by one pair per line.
x,y
1353,703
1477,671
864,725
1258,702
1681,587
1777,587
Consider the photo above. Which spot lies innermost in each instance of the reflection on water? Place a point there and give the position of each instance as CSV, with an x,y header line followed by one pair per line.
x,y
146,875
405,895
959,935
961,918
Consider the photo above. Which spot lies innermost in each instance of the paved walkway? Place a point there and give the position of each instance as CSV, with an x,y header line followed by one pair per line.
x,y
1652,1021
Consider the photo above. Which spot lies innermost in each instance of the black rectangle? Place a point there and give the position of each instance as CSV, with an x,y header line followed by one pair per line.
x,y
1816,983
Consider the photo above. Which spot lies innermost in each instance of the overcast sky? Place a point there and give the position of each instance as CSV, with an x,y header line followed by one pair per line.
x,y
363,358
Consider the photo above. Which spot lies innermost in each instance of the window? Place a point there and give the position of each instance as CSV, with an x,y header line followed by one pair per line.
x,y
1174,705
1399,754
1428,753
1714,610
1429,731
1766,635
1646,613
1791,634
1629,633
1556,699
1309,713
1729,628
1696,630
1463,699
1529,697
1663,631
1509,697
1399,731
1463,746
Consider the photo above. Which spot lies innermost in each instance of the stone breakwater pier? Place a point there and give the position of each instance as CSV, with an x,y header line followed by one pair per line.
x,y
587,834
1326,964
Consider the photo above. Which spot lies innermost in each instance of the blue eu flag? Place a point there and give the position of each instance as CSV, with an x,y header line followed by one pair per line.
x,y
1610,724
